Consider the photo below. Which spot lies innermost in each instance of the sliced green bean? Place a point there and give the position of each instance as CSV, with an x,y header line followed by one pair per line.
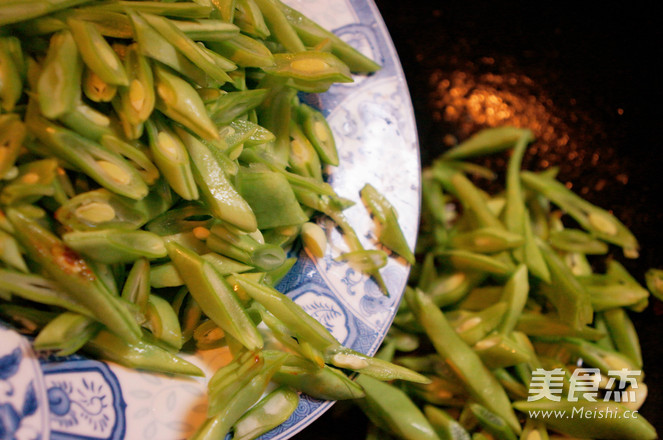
x,y
623,333
390,408
312,34
97,53
326,383
271,198
481,384
244,51
279,27
390,233
74,274
488,141
67,333
112,246
139,355
58,87
244,248
596,220
272,410
214,295
216,189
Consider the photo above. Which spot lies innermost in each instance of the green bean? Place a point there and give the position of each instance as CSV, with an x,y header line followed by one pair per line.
x,y
571,299
498,351
278,25
14,12
162,322
446,427
486,240
34,181
171,157
12,135
244,248
97,53
537,324
41,290
11,83
614,288
216,189
516,215
205,29
471,261
72,272
109,169
140,355
214,295
244,51
229,106
240,401
96,89
109,24
513,387
481,384
271,198
136,101
87,121
312,34
10,252
166,275
250,20
27,317
654,282
343,357
136,288
179,9
303,158
275,114
178,100
487,141
101,209
390,233
624,335
152,44
390,408
325,383
67,333
295,318
268,413
621,423
592,218
112,246
480,297
224,9
472,327
472,199
58,86
492,423
209,62
515,295
574,240
310,66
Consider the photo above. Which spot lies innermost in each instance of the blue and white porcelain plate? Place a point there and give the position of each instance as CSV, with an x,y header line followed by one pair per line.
x,y
373,121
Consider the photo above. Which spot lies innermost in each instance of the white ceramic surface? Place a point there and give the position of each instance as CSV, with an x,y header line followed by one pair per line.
x,y
43,397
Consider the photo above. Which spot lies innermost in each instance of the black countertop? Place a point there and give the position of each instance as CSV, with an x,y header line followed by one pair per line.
x,y
585,80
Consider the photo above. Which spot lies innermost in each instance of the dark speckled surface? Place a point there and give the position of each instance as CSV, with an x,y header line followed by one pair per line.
x,y
589,85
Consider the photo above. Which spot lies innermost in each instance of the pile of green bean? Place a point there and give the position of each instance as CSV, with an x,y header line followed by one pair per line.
x,y
509,284
155,164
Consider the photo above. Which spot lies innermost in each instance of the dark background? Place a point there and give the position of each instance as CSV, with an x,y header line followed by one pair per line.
x,y
586,79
